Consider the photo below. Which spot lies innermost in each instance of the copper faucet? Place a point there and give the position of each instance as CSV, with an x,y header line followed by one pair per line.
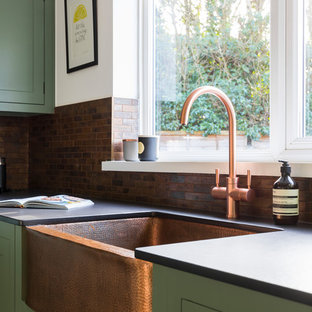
x,y
231,192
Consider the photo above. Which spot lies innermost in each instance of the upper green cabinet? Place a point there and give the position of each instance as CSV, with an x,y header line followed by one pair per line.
x,y
27,56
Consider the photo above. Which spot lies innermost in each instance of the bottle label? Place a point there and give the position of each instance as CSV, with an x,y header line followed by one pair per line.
x,y
286,202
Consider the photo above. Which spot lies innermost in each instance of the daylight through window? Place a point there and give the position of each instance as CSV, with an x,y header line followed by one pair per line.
x,y
308,67
224,43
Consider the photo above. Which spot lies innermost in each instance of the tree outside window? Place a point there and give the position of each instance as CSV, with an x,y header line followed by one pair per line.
x,y
224,43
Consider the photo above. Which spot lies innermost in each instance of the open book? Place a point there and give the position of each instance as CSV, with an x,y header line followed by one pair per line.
x,y
52,202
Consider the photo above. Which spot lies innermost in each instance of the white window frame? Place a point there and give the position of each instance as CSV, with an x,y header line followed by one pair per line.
x,y
286,82
146,80
285,141
294,78
297,147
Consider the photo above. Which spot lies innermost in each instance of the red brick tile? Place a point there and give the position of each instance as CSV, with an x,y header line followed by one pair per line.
x,y
66,150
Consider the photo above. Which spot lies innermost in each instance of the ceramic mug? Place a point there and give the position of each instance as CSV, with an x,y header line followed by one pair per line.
x,y
148,147
130,149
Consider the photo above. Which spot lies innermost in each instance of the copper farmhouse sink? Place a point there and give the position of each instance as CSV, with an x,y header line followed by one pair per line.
x,y
90,266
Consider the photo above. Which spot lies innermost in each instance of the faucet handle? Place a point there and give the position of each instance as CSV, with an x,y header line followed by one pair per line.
x,y
244,194
217,177
248,179
218,192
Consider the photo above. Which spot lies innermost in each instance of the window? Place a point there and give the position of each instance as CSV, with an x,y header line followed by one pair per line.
x,y
308,68
257,51
298,79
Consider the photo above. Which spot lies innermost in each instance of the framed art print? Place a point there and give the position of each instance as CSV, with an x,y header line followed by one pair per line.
x,y
81,34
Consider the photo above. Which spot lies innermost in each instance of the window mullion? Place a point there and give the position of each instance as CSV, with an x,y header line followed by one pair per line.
x,y
147,72
278,74
295,78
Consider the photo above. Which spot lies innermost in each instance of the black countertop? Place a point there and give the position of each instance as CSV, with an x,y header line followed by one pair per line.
x,y
100,211
277,263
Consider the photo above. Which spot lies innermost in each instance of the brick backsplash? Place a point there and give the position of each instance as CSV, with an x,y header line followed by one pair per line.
x,y
125,120
193,191
67,147
14,136
66,150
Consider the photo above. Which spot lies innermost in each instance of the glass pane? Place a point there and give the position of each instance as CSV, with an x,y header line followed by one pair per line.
x,y
224,43
308,66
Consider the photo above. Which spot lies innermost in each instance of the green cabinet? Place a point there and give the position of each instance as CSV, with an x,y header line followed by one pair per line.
x,y
176,291
11,269
6,267
27,56
188,306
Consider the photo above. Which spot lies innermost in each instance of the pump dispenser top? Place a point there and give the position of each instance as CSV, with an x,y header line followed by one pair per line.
x,y
285,168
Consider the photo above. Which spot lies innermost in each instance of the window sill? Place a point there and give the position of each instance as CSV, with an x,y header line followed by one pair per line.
x,y
257,168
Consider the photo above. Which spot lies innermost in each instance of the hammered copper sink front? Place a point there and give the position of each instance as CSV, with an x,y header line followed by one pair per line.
x,y
90,266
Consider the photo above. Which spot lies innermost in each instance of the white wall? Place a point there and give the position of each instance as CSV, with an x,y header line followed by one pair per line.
x,y
125,40
117,72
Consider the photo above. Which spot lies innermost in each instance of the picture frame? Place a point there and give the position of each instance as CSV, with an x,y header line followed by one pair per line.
x,y
81,34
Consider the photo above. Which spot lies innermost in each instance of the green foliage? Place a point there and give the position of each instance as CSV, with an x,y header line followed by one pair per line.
x,y
308,108
226,50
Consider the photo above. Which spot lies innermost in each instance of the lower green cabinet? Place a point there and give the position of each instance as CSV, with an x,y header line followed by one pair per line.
x,y
6,267
176,291
188,306
11,269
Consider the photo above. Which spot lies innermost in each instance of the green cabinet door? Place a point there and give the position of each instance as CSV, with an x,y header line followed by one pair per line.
x,y
188,306
176,291
26,54
20,305
11,277
7,267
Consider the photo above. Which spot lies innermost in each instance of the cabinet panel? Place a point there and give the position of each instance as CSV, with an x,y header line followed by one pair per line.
x,y
172,288
27,56
22,51
20,305
188,306
11,283
6,267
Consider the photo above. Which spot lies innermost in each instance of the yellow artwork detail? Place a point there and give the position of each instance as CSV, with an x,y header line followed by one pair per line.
x,y
141,147
81,13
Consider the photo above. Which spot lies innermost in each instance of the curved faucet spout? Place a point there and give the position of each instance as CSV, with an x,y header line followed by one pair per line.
x,y
231,114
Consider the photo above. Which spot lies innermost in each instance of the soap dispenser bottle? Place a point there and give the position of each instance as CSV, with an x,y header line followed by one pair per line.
x,y
285,198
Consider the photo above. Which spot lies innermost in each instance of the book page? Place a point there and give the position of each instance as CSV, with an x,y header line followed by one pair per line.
x,y
58,202
20,202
